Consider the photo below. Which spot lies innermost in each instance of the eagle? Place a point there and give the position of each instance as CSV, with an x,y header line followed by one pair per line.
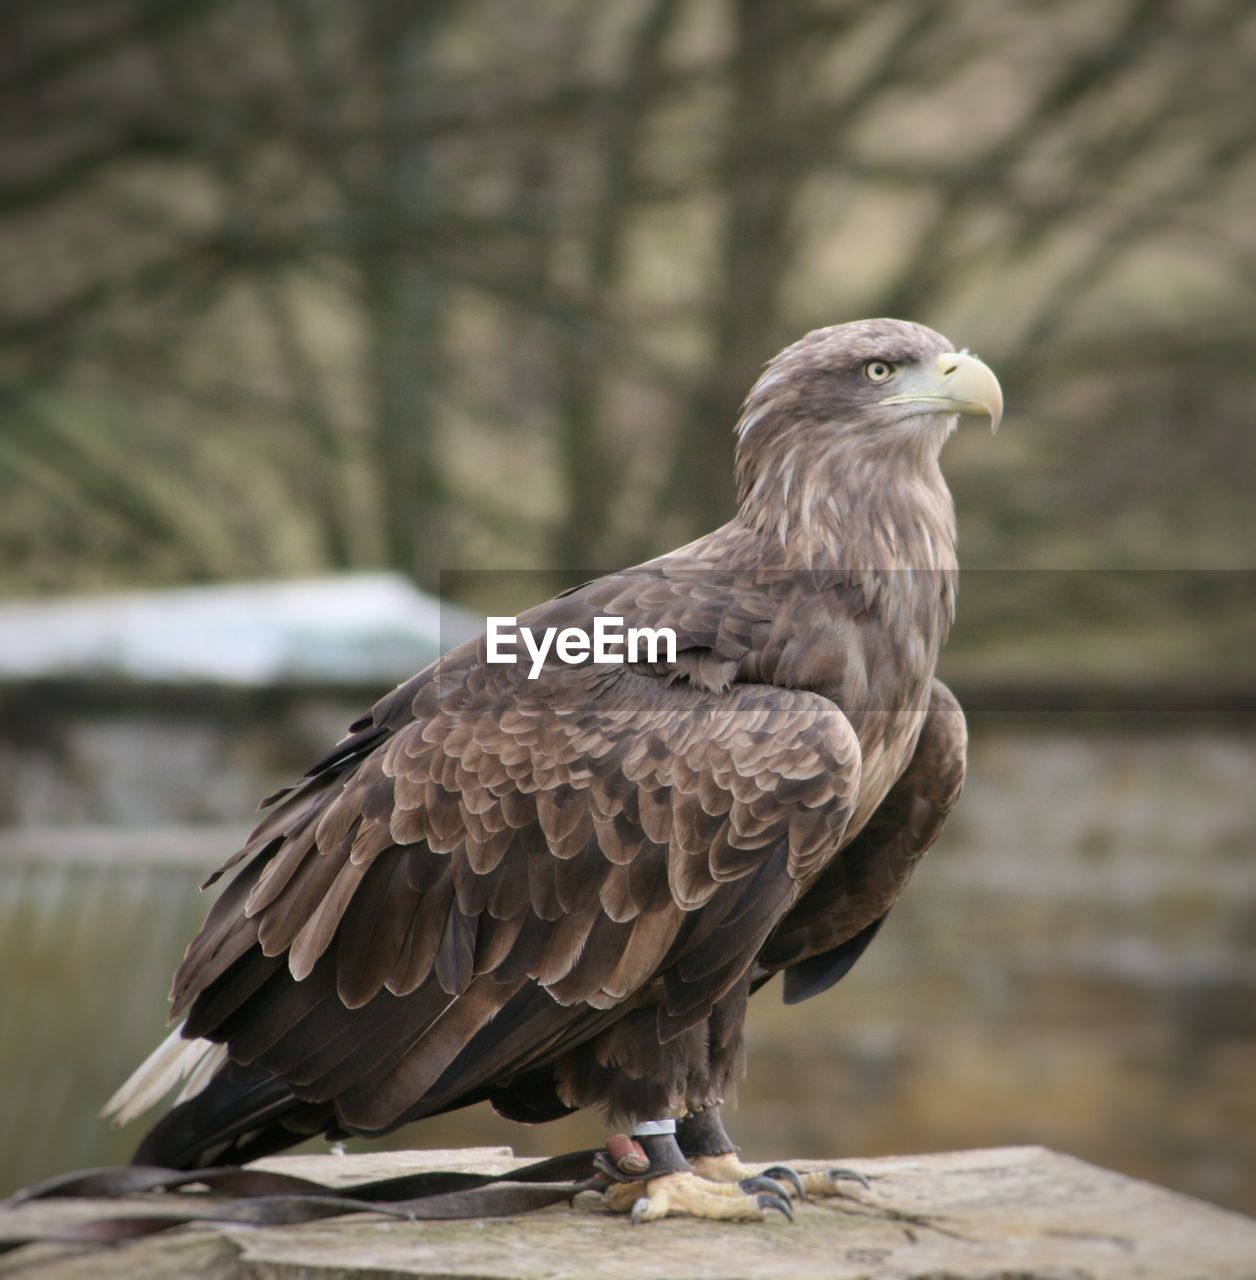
x,y
555,886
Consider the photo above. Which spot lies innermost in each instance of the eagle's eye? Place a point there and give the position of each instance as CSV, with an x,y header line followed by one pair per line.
x,y
879,370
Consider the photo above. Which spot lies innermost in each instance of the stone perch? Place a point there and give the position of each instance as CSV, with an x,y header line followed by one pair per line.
x,y
1013,1213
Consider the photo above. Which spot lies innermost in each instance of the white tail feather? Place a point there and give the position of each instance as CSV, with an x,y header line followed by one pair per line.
x,y
168,1064
204,1071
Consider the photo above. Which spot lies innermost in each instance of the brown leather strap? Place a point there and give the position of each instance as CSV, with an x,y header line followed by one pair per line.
x,y
272,1199
127,1180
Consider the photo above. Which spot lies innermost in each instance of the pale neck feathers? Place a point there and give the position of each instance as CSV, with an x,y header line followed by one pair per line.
x,y
822,498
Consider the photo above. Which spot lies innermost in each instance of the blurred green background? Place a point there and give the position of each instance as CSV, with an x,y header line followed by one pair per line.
x,y
294,288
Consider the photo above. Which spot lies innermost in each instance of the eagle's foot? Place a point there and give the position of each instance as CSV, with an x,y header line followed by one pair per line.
x,y
727,1167
688,1195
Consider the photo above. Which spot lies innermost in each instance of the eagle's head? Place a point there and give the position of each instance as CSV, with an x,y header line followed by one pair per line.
x,y
853,417
881,386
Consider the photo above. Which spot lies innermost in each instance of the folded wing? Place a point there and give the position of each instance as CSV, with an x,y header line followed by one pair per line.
x,y
462,896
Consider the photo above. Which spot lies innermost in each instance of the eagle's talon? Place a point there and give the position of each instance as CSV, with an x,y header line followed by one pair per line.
x,y
727,1167
762,1182
824,1182
780,1203
783,1173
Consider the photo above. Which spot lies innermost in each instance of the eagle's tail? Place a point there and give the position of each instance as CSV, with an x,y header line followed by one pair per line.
x,y
242,1114
223,1113
175,1061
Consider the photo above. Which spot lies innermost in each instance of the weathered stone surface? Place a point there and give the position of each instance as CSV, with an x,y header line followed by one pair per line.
x,y
1013,1213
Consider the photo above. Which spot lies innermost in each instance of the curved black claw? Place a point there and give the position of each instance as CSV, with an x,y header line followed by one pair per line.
x,y
849,1175
762,1182
783,1173
780,1203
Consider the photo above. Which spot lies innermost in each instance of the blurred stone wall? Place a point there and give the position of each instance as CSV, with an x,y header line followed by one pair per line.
x,y
1072,965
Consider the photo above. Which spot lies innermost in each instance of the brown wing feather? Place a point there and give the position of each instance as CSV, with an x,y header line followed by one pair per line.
x,y
552,848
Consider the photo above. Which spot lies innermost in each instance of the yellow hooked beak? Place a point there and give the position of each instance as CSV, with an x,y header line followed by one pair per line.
x,y
954,383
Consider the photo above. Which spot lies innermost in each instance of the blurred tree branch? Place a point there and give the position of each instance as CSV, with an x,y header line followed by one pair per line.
x,y
589,476
303,285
